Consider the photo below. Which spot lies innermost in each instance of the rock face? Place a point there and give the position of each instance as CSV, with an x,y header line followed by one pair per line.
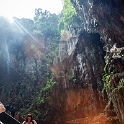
x,y
95,64
19,65
80,77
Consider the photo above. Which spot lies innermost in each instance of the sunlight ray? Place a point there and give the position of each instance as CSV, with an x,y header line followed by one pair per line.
x,y
8,57
20,26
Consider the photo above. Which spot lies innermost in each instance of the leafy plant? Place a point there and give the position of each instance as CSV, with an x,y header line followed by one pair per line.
x,y
72,79
68,17
50,84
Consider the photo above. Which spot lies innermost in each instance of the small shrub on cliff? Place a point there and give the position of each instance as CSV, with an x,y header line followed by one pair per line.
x,y
49,85
72,79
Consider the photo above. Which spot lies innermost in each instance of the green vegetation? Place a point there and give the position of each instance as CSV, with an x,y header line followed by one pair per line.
x,y
112,82
44,94
68,17
40,108
106,80
105,68
23,39
46,24
72,79
49,85
120,86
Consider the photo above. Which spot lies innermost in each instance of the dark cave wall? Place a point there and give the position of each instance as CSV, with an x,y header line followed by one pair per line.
x,y
106,17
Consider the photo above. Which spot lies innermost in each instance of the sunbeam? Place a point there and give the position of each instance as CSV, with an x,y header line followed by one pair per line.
x,y
8,57
20,26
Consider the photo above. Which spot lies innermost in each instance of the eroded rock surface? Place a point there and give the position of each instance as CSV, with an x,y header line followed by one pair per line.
x,y
80,78
95,65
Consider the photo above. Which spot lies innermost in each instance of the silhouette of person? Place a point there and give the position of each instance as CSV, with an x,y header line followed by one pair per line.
x,y
12,110
8,109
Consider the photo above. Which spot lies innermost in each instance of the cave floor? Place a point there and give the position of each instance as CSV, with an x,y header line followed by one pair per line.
x,y
99,119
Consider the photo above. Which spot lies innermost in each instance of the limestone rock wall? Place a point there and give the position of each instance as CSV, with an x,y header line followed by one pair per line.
x,y
80,78
95,65
106,18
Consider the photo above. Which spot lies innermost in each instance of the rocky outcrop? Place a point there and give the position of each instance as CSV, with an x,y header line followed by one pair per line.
x,y
95,65
80,77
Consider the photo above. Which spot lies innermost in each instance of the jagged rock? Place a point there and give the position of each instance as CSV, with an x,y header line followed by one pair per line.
x,y
109,14
79,75
103,21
